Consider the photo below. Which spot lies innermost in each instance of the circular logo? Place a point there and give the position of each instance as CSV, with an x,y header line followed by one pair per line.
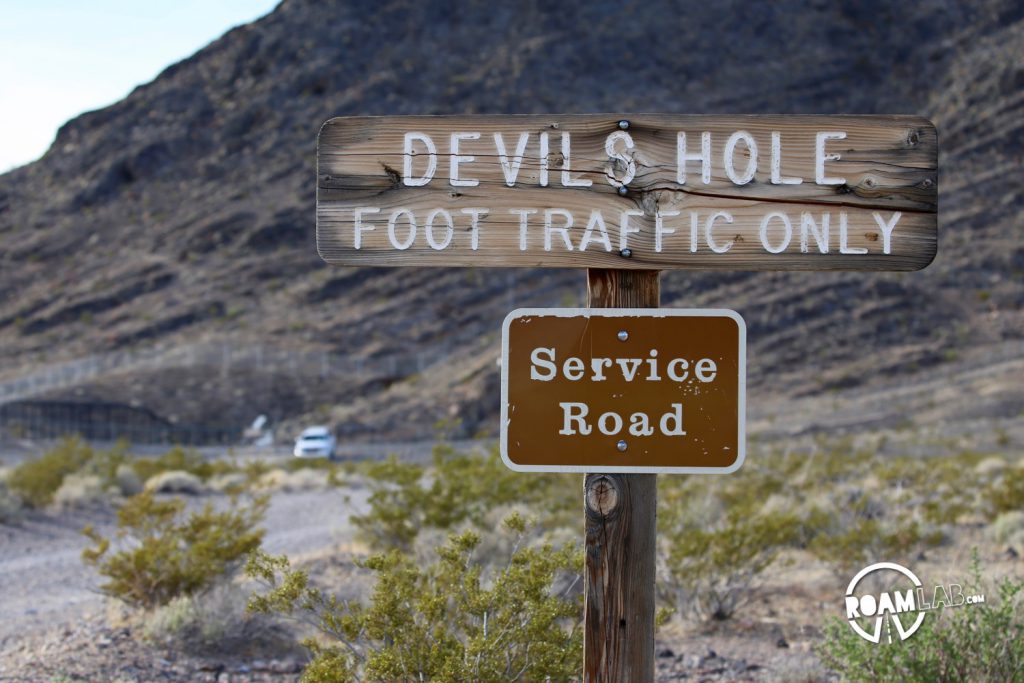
x,y
890,607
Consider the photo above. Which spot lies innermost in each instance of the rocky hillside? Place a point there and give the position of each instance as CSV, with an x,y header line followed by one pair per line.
x,y
185,212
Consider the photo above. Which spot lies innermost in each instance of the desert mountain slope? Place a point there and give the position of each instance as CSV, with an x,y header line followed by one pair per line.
x,y
184,214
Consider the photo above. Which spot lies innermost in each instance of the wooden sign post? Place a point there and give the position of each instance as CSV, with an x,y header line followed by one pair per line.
x,y
621,524
626,196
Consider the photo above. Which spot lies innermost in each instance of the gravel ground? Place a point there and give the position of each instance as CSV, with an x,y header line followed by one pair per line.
x,y
44,583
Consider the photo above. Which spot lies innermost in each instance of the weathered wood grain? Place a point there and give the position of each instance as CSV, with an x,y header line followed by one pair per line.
x,y
621,533
888,163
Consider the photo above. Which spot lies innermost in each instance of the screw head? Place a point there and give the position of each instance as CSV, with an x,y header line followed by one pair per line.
x,y
622,445
623,190
623,125
626,253
622,335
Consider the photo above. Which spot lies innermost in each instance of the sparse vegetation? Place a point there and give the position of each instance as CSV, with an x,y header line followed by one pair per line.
x,y
1008,528
294,480
73,473
79,489
218,623
970,643
453,620
855,532
716,536
165,552
1007,493
175,481
36,482
711,568
407,498
440,562
179,459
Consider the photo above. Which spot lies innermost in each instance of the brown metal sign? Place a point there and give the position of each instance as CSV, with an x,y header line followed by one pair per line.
x,y
623,390
636,191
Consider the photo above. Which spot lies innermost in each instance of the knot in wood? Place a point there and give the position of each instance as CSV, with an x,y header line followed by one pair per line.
x,y
602,495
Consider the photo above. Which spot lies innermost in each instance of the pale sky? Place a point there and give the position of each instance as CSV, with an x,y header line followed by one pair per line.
x,y
59,58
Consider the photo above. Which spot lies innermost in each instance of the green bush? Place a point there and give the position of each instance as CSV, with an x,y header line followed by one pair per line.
x,y
1007,493
302,479
442,622
168,553
175,481
396,505
970,643
80,490
217,623
105,464
1008,528
711,567
36,481
848,538
717,535
406,498
179,459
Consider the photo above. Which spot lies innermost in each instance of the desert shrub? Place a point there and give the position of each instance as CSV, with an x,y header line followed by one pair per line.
x,y
860,529
175,481
229,482
296,480
166,553
36,481
948,506
1007,493
231,475
80,489
990,467
105,464
325,464
254,469
970,643
85,474
711,566
396,501
716,536
942,490
1008,528
216,623
127,480
844,505
179,459
10,505
446,621
459,488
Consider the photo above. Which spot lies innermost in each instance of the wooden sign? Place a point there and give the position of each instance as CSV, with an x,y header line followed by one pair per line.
x,y
623,390
639,191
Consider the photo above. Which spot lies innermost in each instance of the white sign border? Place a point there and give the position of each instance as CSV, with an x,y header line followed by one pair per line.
x,y
623,313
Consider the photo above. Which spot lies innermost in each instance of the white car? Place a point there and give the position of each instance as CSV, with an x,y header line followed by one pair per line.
x,y
315,442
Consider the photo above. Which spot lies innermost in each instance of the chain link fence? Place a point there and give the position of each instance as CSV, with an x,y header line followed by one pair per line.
x,y
223,357
24,412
